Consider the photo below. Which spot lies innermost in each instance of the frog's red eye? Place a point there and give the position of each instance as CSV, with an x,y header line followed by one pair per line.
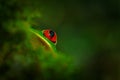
x,y
51,35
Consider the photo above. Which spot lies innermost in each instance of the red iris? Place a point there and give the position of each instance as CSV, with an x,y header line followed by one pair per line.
x,y
51,35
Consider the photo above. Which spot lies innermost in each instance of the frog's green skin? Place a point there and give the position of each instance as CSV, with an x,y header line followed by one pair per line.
x,y
47,42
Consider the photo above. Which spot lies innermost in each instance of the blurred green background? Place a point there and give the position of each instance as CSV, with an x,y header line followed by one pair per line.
x,y
89,31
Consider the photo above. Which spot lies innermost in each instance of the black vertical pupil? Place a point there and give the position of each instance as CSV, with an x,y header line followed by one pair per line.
x,y
52,33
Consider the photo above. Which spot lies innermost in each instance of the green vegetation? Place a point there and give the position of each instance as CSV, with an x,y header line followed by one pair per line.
x,y
88,40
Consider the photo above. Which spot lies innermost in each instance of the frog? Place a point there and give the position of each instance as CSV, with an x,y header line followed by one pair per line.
x,y
46,38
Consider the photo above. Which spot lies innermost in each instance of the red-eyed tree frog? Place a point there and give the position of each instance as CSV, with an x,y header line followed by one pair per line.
x,y
46,38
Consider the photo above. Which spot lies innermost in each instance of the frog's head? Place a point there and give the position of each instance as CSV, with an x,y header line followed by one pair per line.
x,y
46,38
